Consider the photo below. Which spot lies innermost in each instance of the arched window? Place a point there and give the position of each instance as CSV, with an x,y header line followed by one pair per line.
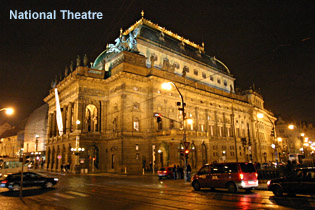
x,y
91,118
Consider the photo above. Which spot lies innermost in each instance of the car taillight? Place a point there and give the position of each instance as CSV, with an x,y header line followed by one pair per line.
x,y
164,172
256,174
4,182
241,176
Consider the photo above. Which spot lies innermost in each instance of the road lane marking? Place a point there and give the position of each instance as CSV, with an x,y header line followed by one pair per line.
x,y
77,193
64,195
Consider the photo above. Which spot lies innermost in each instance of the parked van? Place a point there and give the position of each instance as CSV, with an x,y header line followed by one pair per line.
x,y
232,176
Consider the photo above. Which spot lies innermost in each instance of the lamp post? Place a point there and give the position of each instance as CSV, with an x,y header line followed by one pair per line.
x,y
273,134
76,151
168,86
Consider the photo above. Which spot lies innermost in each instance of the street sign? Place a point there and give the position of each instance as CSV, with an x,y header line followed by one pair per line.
x,y
186,144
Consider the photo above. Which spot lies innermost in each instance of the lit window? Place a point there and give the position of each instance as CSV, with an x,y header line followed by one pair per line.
x,y
137,147
136,124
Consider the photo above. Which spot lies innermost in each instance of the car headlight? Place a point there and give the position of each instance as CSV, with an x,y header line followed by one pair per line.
x,y
268,182
56,179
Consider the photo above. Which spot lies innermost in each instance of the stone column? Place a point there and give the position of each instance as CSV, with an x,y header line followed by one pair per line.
x,y
69,117
54,124
64,118
49,126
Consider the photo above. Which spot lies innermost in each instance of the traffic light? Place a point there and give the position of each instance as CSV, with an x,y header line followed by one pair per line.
x,y
158,117
272,132
186,153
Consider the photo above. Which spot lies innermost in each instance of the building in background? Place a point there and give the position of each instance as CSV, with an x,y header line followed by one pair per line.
x,y
108,110
35,135
295,139
10,144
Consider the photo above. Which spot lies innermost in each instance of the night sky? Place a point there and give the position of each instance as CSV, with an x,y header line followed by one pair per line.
x,y
266,43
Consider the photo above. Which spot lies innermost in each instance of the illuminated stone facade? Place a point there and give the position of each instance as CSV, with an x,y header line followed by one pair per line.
x,y
115,100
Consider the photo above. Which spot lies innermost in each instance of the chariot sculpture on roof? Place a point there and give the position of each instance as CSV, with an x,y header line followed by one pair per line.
x,y
125,44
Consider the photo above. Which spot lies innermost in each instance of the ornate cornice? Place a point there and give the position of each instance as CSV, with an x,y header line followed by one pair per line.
x,y
144,21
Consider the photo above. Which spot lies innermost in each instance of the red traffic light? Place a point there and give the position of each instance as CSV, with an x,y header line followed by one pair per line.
x,y
186,151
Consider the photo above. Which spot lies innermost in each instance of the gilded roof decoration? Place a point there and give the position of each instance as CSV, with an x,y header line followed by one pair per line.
x,y
163,30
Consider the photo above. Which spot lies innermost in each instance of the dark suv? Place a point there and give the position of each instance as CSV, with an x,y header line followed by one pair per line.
x,y
30,179
300,181
232,176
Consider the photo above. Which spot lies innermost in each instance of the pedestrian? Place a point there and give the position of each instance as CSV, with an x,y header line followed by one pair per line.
x,y
288,168
68,167
150,165
181,172
188,172
174,172
178,172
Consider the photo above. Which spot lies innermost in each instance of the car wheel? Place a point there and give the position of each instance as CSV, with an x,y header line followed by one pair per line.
x,y
16,187
196,185
232,187
48,185
277,191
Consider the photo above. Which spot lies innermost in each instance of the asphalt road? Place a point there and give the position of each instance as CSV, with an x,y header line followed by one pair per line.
x,y
110,191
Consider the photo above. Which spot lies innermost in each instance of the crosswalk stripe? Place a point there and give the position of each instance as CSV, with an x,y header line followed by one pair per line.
x,y
64,195
77,193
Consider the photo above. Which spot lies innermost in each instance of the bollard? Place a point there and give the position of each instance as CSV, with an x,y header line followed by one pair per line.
x,y
125,170
142,171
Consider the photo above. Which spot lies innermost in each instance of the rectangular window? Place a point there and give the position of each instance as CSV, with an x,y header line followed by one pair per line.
x,y
137,156
211,78
204,75
201,127
196,72
136,125
137,147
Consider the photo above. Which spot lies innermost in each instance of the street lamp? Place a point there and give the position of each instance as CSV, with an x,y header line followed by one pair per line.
x,y
291,127
168,86
8,111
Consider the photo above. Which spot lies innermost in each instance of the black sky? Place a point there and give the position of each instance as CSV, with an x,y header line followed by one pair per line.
x,y
268,43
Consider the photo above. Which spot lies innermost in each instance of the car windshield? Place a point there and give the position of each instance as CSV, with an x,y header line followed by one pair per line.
x,y
247,168
162,169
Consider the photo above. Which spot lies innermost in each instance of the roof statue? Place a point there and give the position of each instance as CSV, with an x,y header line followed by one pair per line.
x,y
122,43
145,31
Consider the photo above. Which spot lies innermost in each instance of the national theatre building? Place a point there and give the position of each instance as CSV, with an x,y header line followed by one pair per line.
x,y
115,116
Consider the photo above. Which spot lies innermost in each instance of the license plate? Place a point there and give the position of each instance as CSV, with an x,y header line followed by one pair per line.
x,y
251,182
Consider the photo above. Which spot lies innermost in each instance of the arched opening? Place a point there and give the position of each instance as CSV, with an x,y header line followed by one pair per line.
x,y
204,153
93,153
91,118
57,158
163,155
48,158
63,154
193,156
53,157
